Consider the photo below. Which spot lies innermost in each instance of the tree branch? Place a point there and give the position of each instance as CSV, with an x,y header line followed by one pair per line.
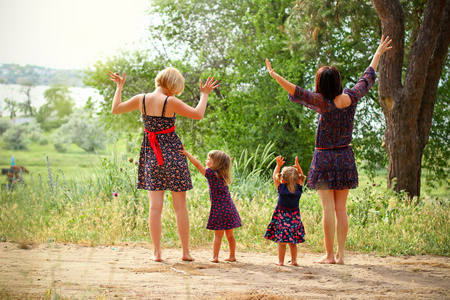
x,y
422,50
390,69
435,67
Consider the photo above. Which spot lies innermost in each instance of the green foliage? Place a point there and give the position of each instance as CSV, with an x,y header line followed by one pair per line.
x,y
34,133
59,101
5,124
15,138
85,133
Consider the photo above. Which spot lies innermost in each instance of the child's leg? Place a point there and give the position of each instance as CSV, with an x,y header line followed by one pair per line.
x,y
281,253
218,235
231,244
181,213
156,199
293,249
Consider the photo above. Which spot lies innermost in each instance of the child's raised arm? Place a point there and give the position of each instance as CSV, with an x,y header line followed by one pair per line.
x,y
302,177
194,161
280,163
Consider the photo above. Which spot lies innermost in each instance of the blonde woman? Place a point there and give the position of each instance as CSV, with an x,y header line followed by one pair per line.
x,y
161,166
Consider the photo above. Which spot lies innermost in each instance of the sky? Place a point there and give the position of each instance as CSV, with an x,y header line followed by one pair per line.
x,y
69,34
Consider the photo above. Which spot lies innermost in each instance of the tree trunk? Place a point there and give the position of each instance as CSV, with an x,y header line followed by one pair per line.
x,y
408,108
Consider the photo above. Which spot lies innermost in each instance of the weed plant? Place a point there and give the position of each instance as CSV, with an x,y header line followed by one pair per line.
x,y
104,207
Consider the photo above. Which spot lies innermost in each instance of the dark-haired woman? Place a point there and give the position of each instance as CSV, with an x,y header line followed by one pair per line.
x,y
333,170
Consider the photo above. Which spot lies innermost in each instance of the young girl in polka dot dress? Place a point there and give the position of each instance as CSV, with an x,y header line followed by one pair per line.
x,y
286,226
223,216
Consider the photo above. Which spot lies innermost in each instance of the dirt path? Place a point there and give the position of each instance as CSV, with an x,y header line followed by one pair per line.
x,y
117,272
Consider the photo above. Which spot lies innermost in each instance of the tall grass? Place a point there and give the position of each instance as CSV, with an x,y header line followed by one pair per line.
x,y
104,207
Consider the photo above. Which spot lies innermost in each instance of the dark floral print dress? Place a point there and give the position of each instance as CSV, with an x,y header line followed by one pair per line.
x,y
286,225
223,214
174,173
333,165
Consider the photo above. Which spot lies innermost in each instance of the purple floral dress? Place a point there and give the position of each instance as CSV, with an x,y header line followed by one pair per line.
x,y
223,214
333,165
286,225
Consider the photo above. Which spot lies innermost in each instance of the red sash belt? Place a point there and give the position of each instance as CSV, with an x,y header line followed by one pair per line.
x,y
154,142
332,148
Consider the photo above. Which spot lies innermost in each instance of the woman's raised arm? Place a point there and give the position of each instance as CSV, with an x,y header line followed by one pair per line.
x,y
383,47
288,86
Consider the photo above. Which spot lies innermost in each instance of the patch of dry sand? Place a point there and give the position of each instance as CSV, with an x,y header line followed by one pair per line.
x,y
118,272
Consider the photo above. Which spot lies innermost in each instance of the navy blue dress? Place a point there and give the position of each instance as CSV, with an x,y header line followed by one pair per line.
x,y
286,225
223,214
333,165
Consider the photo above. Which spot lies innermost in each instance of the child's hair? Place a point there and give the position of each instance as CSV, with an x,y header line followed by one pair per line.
x,y
290,177
170,79
221,165
328,82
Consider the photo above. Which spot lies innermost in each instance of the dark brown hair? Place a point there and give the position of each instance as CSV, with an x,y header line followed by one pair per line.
x,y
221,165
328,82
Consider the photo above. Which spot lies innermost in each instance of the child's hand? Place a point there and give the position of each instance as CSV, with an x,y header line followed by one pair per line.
x,y
184,152
297,165
120,81
280,161
209,86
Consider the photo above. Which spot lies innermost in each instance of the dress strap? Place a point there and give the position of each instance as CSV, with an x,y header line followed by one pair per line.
x,y
143,105
164,107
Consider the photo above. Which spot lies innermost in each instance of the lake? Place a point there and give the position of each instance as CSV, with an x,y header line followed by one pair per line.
x,y
14,91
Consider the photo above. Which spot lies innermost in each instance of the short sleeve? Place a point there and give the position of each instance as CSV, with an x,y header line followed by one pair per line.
x,y
209,174
311,100
364,84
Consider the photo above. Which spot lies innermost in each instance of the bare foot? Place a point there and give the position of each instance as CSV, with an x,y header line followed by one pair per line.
x,y
325,260
230,259
339,261
156,258
214,260
294,263
187,257
279,264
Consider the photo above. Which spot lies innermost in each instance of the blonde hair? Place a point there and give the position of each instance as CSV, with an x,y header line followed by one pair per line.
x,y
170,79
290,177
221,164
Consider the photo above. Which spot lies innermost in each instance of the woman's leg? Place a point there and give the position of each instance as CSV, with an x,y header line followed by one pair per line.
x,y
181,213
328,208
293,249
281,253
218,235
231,244
154,221
340,200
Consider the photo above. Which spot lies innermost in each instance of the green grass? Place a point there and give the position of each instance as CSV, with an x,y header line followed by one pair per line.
x,y
83,208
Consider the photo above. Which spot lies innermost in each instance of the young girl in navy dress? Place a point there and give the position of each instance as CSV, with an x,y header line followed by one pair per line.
x,y
223,216
286,226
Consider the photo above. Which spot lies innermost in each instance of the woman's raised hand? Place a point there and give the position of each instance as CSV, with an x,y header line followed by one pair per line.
x,y
209,85
116,78
384,45
269,68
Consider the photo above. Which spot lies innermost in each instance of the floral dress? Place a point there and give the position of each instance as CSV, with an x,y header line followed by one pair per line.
x,y
223,214
174,173
286,225
333,165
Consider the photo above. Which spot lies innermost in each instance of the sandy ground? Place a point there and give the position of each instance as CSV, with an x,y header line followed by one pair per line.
x,y
125,272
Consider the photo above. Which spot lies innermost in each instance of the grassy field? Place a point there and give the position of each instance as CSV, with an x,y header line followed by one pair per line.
x,y
92,199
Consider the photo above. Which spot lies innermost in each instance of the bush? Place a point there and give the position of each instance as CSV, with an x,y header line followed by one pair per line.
x,y
34,133
5,124
15,138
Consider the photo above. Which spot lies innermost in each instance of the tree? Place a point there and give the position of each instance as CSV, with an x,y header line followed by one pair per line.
x,y
27,86
345,34
59,100
408,106
11,105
